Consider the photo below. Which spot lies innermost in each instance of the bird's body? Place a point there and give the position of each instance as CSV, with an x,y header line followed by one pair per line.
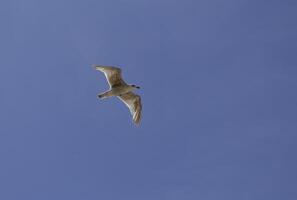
x,y
119,88
117,91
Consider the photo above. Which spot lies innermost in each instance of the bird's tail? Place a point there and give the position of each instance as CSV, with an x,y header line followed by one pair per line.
x,y
100,96
104,95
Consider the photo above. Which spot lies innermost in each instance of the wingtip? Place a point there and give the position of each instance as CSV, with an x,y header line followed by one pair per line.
x,y
137,119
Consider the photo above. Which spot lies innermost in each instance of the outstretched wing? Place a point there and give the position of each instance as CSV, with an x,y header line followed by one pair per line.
x,y
133,102
112,74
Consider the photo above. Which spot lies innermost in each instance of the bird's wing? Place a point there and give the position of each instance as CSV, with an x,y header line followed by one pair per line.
x,y
133,102
112,74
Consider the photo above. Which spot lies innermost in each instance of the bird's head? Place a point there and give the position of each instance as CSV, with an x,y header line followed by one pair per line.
x,y
135,86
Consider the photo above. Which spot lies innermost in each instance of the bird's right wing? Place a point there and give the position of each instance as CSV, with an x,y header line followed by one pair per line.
x,y
112,74
133,102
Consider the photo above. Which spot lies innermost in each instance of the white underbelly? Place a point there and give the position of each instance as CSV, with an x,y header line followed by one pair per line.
x,y
121,90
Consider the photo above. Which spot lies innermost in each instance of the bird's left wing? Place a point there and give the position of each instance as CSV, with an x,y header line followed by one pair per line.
x,y
112,74
133,102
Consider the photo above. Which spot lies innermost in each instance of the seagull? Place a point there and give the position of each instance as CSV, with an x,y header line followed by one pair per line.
x,y
122,90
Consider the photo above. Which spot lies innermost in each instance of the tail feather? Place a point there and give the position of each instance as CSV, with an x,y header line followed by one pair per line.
x,y
105,95
100,96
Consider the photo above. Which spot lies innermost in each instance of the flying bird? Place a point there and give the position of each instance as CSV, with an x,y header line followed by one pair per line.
x,y
122,90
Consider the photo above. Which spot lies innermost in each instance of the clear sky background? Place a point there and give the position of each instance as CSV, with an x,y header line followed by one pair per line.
x,y
218,81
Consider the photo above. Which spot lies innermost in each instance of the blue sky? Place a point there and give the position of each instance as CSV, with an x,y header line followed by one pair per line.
x,y
218,82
